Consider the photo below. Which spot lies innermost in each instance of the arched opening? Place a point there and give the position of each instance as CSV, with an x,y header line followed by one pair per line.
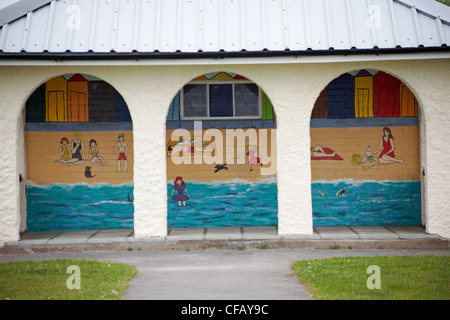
x,y
79,156
221,154
365,152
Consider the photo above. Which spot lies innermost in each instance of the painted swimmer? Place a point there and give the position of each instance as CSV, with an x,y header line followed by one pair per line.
x,y
340,192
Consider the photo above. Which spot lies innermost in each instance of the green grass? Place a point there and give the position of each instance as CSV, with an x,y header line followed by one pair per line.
x,y
47,280
421,277
446,2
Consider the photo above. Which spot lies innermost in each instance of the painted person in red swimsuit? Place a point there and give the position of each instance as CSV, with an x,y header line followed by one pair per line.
x,y
253,157
122,147
387,155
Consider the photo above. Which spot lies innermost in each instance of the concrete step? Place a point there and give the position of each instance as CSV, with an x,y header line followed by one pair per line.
x,y
342,237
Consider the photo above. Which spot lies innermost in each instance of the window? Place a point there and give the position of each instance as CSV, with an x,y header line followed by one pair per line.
x,y
224,99
220,100
247,99
194,100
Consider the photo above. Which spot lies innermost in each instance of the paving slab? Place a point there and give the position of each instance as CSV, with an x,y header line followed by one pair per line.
x,y
186,234
374,232
113,235
72,237
37,237
230,233
412,232
339,232
314,236
362,237
260,233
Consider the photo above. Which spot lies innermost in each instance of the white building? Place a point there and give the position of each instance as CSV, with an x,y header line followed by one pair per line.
x,y
292,50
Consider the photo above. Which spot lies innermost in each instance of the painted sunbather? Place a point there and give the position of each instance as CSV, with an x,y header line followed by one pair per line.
x,y
387,155
64,150
77,150
94,154
318,151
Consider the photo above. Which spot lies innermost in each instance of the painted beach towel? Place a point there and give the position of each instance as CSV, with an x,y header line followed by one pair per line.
x,y
327,151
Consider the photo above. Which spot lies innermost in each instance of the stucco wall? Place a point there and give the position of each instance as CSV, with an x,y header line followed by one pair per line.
x,y
292,88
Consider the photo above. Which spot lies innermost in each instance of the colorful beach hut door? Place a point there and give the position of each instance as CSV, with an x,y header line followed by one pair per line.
x,y
56,106
77,87
56,99
365,164
79,167
221,181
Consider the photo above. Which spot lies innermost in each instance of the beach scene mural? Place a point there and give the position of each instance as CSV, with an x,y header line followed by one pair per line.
x,y
221,154
79,156
232,191
365,160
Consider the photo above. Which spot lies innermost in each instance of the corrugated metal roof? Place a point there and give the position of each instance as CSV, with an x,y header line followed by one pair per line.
x,y
13,9
227,26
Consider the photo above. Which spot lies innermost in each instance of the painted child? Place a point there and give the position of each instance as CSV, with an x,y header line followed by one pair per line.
x,y
179,186
94,154
64,150
368,156
253,157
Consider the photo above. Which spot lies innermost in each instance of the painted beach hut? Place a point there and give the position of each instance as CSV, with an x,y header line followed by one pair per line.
x,y
152,115
56,99
386,95
77,98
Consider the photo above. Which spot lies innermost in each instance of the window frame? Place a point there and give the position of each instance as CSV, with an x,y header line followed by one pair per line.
x,y
212,82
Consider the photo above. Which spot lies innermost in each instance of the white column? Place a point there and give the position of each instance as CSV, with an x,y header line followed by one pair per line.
x,y
293,110
435,146
294,175
150,178
9,173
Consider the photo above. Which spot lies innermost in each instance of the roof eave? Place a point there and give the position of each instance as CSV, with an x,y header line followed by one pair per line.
x,y
214,55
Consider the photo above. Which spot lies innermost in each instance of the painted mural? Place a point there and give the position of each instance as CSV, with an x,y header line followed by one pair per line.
x,y
79,154
221,154
225,187
364,129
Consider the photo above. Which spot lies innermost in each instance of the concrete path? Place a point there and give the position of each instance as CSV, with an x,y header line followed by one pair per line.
x,y
252,274
220,263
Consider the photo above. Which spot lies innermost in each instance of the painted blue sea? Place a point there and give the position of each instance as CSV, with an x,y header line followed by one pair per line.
x,y
103,206
232,204
236,204
55,207
368,203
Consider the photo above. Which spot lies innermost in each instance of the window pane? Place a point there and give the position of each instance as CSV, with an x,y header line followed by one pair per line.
x,y
246,100
194,100
221,100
